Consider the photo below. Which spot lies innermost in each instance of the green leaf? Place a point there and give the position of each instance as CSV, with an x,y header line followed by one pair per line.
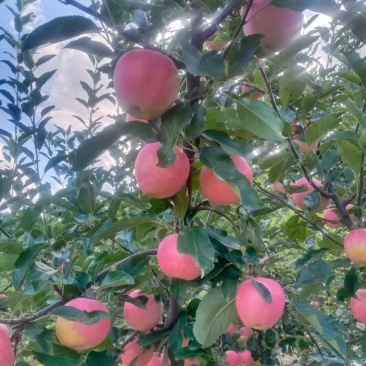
x,y
351,155
153,337
172,124
104,358
351,283
54,161
178,289
292,85
86,44
320,127
11,247
7,262
175,339
213,317
215,158
263,291
86,198
30,217
50,360
181,202
259,119
116,279
24,263
71,313
59,29
316,272
42,79
356,63
195,242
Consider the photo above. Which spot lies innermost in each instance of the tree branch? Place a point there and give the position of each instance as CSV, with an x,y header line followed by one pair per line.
x,y
173,312
345,218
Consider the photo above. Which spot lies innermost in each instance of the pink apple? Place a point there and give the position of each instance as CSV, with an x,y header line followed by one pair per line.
x,y
355,246
231,329
133,350
6,351
278,187
333,219
157,182
232,358
146,83
141,319
298,198
253,310
246,358
280,26
315,304
246,333
80,336
305,148
188,362
174,264
214,46
219,192
130,118
255,94
358,306
156,361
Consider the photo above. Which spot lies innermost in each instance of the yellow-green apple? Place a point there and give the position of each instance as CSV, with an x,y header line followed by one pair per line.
x,y
280,26
214,46
134,351
358,306
157,182
278,187
246,333
232,358
332,217
174,264
255,94
231,329
79,336
246,358
219,192
298,198
130,118
355,246
146,83
305,148
255,311
143,319
7,356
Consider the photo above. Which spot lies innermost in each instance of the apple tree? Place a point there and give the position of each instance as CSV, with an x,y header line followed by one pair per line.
x,y
227,227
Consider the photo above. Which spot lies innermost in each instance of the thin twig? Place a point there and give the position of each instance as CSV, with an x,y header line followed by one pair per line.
x,y
345,218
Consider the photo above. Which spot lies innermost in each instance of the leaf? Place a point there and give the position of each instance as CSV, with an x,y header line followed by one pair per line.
x,y
42,79
181,202
351,283
86,44
351,155
59,29
195,242
30,217
116,279
263,291
215,158
54,161
356,63
292,84
171,126
178,289
7,261
86,198
259,119
50,360
319,128
85,317
104,358
316,272
24,263
213,317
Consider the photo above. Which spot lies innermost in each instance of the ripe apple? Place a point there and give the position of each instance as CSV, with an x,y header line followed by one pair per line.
x,y
305,148
280,26
188,362
130,118
133,350
256,94
214,46
333,218
174,264
232,358
246,358
231,329
6,351
157,182
79,336
141,319
253,310
298,198
278,187
157,361
246,333
219,192
355,246
314,303
146,83
358,306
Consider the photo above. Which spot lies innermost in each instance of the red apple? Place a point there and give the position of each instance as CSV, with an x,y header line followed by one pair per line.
x,y
146,83
133,350
333,219
252,308
298,198
130,118
358,306
231,329
156,361
305,148
315,304
246,358
232,358
7,355
157,182
141,319
188,362
280,26
219,192
355,246
278,187
246,333
174,264
255,94
79,336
